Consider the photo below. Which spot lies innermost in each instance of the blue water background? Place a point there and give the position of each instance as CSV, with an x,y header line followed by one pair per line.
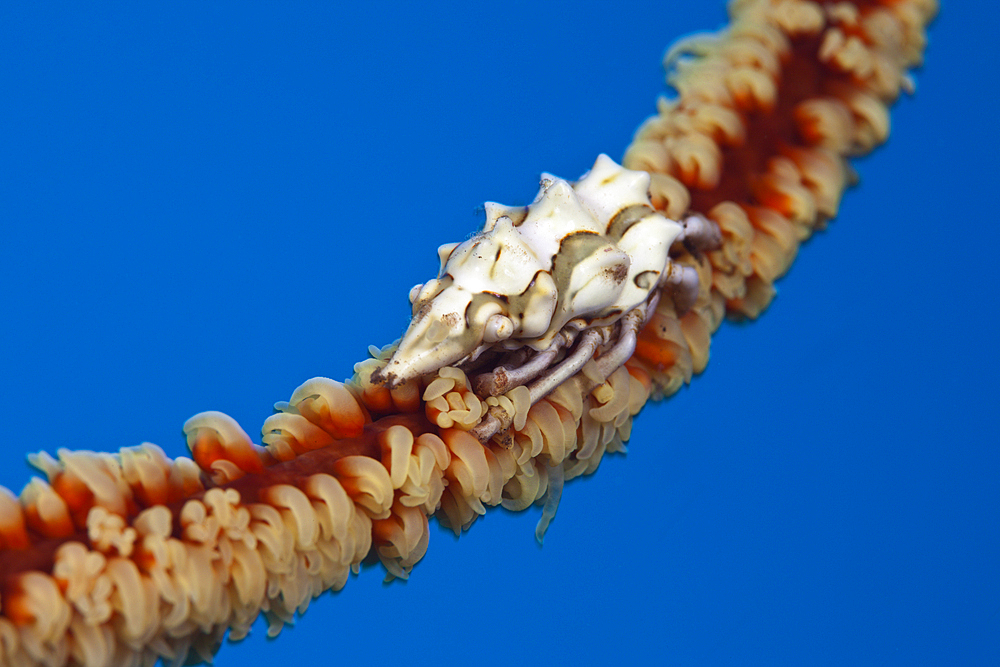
x,y
203,206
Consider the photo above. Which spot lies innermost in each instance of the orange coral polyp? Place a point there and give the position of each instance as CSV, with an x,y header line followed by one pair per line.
x,y
659,353
135,557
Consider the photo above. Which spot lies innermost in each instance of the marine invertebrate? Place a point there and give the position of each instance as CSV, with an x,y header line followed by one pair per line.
x,y
369,461
579,268
580,256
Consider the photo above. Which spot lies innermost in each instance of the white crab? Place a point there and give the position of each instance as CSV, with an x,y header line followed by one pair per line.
x,y
580,256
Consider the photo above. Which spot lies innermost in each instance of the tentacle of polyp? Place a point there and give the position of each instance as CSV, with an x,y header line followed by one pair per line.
x,y
526,360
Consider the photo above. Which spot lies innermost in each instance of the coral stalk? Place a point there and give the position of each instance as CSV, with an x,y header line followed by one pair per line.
x,y
128,558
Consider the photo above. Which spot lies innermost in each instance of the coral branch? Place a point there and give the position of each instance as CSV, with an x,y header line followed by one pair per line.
x,y
123,559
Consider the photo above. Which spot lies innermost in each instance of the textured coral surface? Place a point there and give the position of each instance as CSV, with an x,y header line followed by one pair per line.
x,y
318,343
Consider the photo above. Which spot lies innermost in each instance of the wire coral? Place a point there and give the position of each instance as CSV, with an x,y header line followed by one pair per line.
x,y
128,558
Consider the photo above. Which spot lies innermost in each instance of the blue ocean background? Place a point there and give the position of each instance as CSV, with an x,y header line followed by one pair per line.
x,y
204,204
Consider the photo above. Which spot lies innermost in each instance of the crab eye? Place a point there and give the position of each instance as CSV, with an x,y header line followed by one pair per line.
x,y
415,291
498,327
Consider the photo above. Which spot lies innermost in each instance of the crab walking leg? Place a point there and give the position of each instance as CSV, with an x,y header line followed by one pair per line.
x,y
623,349
583,353
502,379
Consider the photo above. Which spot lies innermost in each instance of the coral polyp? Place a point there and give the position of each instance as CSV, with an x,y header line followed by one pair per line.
x,y
526,360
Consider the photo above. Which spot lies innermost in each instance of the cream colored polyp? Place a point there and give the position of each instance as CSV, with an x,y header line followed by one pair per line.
x,y
581,255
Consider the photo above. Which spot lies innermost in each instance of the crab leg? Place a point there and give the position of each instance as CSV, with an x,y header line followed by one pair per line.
x,y
502,379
